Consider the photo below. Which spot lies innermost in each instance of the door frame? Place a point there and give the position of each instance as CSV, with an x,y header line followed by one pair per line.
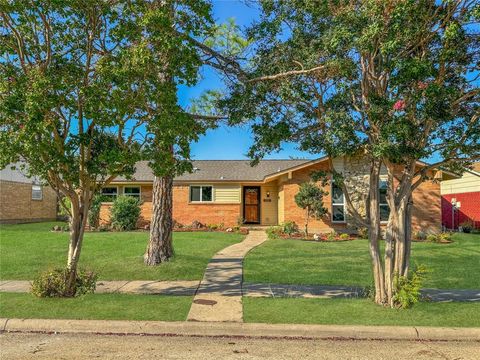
x,y
259,198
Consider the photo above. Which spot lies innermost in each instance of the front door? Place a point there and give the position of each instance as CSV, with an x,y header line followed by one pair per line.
x,y
251,204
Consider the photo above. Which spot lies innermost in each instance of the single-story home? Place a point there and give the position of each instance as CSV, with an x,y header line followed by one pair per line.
x,y
461,199
24,199
232,192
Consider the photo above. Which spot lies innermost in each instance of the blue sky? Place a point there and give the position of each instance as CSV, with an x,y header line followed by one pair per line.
x,y
228,142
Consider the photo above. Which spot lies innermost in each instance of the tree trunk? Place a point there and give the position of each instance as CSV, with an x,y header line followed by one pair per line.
x,y
306,221
80,206
375,233
160,247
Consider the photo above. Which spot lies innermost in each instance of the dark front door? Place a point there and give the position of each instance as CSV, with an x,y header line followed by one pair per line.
x,y
251,204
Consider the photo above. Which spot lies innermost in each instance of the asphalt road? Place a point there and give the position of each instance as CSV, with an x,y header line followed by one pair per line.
x,y
83,346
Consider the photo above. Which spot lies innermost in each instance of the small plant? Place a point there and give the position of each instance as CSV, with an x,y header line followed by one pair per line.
x,y
420,235
467,226
94,212
444,237
273,232
310,198
331,236
240,221
431,238
52,283
125,212
344,237
289,227
407,288
363,233
212,227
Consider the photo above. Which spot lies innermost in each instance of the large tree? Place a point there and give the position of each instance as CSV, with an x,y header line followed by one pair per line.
x,y
395,81
69,99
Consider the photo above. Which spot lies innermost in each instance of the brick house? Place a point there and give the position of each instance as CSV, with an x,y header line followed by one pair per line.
x,y
24,199
230,192
465,194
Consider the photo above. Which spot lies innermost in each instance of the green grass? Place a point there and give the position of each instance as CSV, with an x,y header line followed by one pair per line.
x,y
358,312
96,306
30,248
452,266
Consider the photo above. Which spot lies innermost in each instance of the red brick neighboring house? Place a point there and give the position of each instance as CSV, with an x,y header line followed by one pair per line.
x,y
24,199
230,192
465,193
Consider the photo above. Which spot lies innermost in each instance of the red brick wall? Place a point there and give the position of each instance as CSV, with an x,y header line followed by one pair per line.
x,y
469,209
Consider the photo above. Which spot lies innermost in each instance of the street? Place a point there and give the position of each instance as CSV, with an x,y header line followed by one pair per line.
x,y
87,346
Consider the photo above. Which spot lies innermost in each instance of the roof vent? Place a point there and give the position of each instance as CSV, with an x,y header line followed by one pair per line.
x,y
195,169
222,177
278,170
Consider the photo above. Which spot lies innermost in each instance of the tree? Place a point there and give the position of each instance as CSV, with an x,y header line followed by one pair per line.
x,y
393,81
69,100
310,198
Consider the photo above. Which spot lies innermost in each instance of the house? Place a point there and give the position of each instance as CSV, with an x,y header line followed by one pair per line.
x,y
232,192
461,199
24,199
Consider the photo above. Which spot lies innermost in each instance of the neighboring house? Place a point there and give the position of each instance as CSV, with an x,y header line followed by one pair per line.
x,y
465,193
230,192
24,199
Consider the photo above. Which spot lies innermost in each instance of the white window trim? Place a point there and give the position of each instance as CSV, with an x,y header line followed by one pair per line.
x,y
190,201
383,178
110,186
41,193
338,204
132,186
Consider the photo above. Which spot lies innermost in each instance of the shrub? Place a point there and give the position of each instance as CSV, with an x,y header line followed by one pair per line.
x,y
431,238
420,235
363,233
94,212
444,237
332,236
407,288
273,232
212,227
51,283
344,237
467,226
289,227
125,212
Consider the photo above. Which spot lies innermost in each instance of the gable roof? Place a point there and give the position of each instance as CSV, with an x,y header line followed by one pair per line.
x,y
222,170
13,172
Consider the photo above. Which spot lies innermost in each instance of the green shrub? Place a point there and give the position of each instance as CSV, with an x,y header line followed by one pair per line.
x,y
212,227
444,237
65,204
407,288
431,238
344,237
273,232
332,236
420,235
94,212
467,226
125,212
52,283
289,227
363,233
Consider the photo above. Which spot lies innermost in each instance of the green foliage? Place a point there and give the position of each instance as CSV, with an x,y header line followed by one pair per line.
x,y
52,283
363,233
344,237
407,288
420,235
273,232
125,212
64,207
94,212
289,227
431,238
467,226
310,198
331,236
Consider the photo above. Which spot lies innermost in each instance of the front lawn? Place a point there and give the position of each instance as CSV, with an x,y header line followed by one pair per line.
x,y
96,306
358,312
29,248
452,266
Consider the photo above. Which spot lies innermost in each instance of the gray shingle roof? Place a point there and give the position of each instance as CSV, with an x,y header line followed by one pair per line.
x,y
222,170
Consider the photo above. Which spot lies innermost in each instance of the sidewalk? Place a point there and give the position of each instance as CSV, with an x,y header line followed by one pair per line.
x,y
219,296
231,329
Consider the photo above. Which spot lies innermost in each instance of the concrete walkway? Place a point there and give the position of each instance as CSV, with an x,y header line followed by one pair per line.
x,y
185,288
219,296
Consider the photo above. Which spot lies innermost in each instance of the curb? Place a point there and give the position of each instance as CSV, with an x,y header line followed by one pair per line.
x,y
244,330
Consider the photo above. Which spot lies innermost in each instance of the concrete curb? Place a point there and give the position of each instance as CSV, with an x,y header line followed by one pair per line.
x,y
250,330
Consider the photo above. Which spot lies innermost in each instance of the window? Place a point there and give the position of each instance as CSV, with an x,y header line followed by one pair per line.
x,y
132,191
37,193
109,193
338,204
201,193
384,208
